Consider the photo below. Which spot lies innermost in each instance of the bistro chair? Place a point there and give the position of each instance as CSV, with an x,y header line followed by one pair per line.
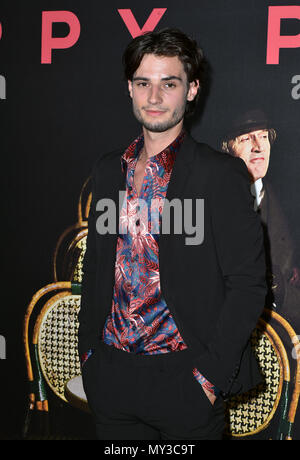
x,y
51,320
251,413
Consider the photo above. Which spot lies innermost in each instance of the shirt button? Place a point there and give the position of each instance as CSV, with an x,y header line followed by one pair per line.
x,y
137,222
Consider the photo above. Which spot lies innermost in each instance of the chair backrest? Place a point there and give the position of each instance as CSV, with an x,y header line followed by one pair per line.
x,y
55,334
250,413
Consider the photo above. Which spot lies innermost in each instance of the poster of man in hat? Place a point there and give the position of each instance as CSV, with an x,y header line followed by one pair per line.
x,y
251,137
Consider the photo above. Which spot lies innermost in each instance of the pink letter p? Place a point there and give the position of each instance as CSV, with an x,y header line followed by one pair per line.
x,y
275,40
48,42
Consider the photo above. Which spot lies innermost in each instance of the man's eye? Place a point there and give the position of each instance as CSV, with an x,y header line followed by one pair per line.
x,y
142,84
245,139
170,85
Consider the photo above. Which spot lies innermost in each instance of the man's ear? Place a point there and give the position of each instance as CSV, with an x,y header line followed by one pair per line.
x,y
130,87
193,90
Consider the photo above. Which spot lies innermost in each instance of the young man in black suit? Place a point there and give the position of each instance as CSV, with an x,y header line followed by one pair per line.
x,y
166,317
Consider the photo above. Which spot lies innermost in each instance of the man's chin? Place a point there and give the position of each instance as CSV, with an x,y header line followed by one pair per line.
x,y
257,174
162,126
157,128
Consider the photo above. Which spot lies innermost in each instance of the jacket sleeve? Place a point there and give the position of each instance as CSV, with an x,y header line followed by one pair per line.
x,y
87,337
238,237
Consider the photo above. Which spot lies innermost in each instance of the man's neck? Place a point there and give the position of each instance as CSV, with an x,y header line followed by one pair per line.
x,y
155,143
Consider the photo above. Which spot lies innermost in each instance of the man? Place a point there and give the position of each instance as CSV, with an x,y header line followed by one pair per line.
x,y
250,137
165,320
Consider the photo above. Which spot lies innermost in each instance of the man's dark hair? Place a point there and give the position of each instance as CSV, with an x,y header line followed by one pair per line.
x,y
167,42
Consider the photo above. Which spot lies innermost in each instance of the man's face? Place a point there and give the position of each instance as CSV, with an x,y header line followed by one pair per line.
x,y
160,91
254,148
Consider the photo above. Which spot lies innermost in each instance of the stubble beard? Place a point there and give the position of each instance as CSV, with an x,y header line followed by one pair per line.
x,y
160,127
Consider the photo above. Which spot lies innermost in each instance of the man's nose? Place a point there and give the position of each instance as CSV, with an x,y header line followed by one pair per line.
x,y
256,145
154,96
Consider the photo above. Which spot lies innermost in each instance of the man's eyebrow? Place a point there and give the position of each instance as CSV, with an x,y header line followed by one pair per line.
x,y
140,78
172,77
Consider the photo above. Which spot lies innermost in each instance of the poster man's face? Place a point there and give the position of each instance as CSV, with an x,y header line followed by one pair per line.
x,y
160,91
254,148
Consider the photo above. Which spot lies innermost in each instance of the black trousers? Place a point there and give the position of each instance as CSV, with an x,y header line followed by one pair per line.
x,y
147,397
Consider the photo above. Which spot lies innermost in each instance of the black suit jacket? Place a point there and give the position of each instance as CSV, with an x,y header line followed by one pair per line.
x,y
215,290
280,248
280,257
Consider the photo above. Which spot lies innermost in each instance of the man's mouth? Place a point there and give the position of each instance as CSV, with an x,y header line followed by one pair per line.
x,y
257,160
154,113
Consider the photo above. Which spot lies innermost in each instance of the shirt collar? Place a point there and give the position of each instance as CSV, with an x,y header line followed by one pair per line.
x,y
165,158
258,192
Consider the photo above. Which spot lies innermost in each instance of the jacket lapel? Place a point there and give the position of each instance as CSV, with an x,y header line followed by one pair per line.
x,y
113,183
181,168
178,180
